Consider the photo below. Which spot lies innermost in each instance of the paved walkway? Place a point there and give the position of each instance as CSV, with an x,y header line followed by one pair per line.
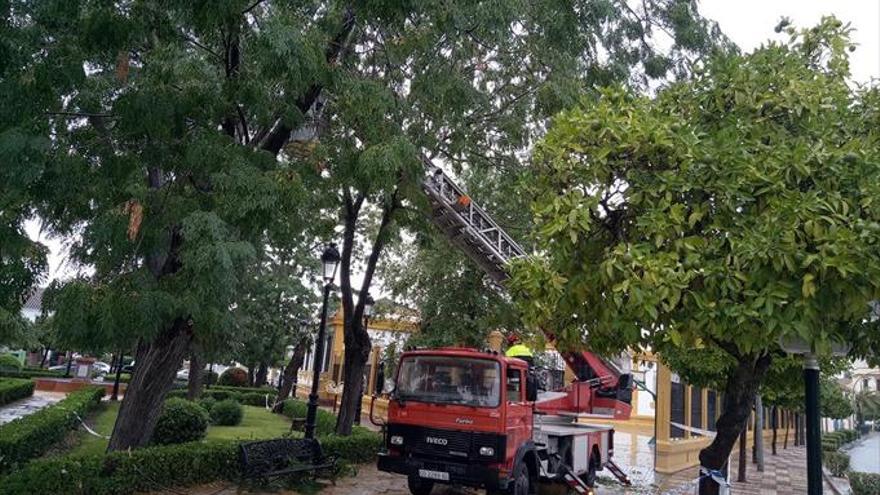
x,y
865,454
30,405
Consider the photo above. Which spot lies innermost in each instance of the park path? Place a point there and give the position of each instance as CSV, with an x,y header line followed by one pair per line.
x,y
29,405
864,455
784,474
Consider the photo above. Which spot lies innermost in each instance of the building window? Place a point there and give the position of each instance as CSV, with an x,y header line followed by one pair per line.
x,y
711,409
328,350
676,408
696,407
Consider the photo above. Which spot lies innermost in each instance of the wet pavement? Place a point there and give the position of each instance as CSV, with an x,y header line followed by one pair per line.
x,y
30,405
864,455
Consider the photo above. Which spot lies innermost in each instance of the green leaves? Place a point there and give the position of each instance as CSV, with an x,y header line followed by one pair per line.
x,y
730,208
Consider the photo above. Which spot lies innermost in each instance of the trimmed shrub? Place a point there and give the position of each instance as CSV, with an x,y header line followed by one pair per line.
x,y
226,413
180,421
233,377
241,390
361,446
256,399
32,435
32,373
12,389
325,423
864,483
151,469
9,363
251,398
837,463
207,403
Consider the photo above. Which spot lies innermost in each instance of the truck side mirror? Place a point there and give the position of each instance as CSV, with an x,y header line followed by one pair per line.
x,y
531,387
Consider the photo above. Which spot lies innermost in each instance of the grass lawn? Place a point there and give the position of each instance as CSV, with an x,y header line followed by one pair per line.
x,y
257,423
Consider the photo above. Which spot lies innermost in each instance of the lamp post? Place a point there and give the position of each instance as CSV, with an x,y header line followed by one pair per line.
x,y
330,261
368,312
795,345
814,440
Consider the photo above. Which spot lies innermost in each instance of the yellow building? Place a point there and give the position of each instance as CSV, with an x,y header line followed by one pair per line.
x,y
383,333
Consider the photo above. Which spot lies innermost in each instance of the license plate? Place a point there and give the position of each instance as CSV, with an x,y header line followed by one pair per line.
x,y
434,475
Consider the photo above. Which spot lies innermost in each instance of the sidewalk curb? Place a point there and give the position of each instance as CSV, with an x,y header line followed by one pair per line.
x,y
834,488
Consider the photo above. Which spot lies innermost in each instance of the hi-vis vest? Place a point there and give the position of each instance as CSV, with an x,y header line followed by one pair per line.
x,y
518,350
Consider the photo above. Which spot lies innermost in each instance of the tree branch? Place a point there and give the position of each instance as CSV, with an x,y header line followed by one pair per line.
x,y
381,239
252,7
280,133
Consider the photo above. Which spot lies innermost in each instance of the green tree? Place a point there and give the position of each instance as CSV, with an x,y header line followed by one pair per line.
x,y
22,158
171,134
731,210
163,163
465,83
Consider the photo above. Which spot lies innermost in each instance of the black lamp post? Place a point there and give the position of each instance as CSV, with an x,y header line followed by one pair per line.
x,y
368,312
330,261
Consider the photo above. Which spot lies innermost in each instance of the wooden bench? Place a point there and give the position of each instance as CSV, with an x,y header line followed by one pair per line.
x,y
281,456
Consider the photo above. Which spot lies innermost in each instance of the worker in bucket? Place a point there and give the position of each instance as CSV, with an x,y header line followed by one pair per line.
x,y
516,349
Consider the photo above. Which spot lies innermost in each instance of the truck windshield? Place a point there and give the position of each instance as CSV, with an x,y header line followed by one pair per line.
x,y
450,380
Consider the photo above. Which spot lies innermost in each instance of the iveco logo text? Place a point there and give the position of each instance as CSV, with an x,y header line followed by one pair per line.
x,y
464,421
436,441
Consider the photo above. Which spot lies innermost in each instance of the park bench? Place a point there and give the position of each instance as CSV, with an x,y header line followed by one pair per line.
x,y
282,456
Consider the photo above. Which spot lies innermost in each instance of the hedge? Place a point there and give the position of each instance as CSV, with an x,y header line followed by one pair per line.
x,y
262,390
158,468
143,470
836,439
31,436
325,423
864,483
8,362
32,373
247,398
837,463
12,389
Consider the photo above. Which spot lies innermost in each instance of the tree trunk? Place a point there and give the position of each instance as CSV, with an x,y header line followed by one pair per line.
x,y
115,395
157,364
797,429
743,459
44,356
196,367
353,377
787,427
290,375
69,362
774,423
250,375
262,373
759,433
739,395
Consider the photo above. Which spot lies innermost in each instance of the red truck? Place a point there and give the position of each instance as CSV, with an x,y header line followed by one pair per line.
x,y
476,418
472,418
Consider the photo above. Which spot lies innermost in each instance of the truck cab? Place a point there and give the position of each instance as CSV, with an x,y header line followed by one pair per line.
x,y
466,417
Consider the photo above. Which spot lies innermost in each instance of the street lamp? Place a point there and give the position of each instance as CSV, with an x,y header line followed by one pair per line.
x,y
368,312
330,261
797,345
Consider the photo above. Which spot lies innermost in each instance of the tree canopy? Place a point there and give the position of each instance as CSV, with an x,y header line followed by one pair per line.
x,y
732,209
169,140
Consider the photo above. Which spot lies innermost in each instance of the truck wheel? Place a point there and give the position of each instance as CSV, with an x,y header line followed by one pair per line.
x,y
521,482
418,486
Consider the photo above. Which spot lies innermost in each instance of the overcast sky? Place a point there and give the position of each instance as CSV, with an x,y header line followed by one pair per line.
x,y
749,23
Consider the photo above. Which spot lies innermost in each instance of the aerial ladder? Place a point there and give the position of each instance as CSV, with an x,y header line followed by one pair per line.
x,y
601,388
